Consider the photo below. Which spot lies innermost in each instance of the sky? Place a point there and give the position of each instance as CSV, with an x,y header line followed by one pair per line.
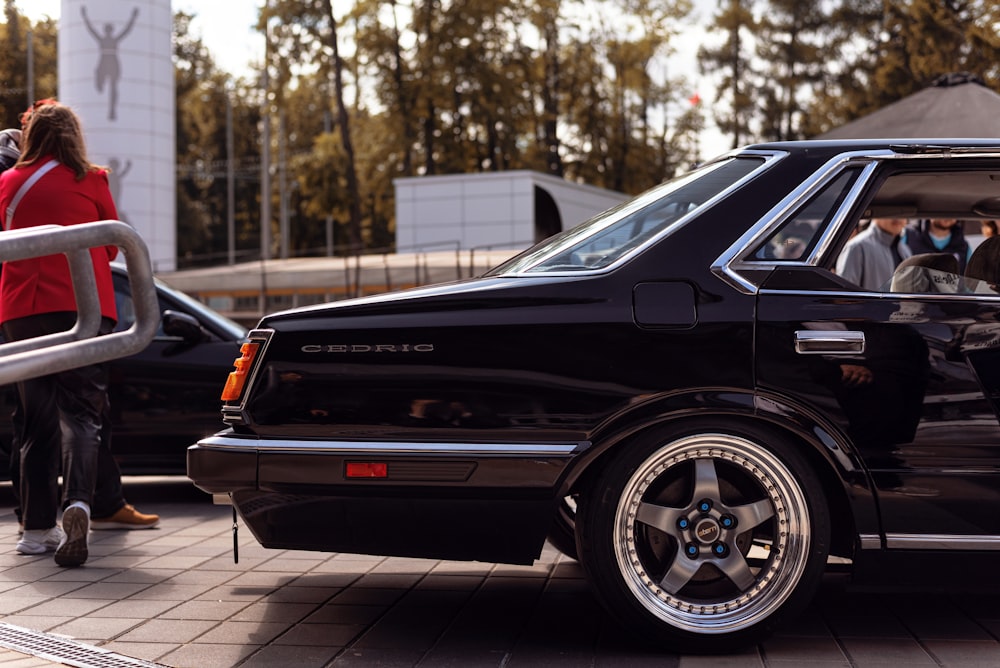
x,y
226,28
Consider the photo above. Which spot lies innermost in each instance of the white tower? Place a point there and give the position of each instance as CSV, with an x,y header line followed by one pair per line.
x,y
116,71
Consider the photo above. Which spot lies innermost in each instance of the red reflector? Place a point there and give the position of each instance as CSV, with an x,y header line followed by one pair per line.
x,y
367,470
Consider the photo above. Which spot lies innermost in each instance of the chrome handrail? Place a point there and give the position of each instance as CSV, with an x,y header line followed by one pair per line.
x,y
80,346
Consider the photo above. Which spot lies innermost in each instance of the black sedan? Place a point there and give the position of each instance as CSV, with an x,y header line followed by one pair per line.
x,y
166,397
683,392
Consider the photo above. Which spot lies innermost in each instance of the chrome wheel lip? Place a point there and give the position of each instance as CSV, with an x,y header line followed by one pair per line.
x,y
789,553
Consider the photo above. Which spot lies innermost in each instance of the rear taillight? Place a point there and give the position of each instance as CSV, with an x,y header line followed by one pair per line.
x,y
238,378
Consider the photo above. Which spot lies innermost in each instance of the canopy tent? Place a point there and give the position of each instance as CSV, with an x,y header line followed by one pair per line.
x,y
955,105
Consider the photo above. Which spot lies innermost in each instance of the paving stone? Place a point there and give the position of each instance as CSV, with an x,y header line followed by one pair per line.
x,y
95,629
283,656
208,656
297,608
210,610
244,633
168,630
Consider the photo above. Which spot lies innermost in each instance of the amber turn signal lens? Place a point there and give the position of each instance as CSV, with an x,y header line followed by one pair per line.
x,y
238,378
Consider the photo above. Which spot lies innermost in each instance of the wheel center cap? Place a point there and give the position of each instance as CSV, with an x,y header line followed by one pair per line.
x,y
707,530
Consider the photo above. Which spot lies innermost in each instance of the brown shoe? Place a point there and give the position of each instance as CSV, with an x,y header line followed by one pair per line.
x,y
127,517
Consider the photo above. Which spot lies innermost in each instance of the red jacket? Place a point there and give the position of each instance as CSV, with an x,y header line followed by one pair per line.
x,y
43,284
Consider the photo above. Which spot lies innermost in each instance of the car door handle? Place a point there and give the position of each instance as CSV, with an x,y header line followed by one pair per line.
x,y
835,342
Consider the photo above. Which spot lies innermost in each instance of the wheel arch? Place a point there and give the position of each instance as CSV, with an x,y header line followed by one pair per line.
x,y
828,451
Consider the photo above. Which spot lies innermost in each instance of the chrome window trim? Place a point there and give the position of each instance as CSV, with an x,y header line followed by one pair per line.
x,y
385,448
729,265
952,542
853,195
771,157
867,294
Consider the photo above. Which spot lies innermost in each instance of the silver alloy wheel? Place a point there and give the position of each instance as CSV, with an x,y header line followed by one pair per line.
x,y
734,554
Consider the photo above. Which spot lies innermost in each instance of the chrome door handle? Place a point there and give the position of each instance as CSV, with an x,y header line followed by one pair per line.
x,y
835,342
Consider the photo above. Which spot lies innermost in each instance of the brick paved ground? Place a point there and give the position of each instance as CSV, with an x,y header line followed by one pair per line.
x,y
174,596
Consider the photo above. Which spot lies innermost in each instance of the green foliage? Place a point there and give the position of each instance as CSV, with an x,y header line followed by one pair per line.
x,y
14,94
735,104
816,65
203,93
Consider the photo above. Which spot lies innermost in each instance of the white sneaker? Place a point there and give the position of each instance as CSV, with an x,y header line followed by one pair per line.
x,y
40,541
72,550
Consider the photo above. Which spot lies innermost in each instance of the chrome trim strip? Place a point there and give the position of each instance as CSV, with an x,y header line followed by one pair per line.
x,y
769,156
231,413
900,296
908,541
386,448
870,541
853,195
727,265
835,342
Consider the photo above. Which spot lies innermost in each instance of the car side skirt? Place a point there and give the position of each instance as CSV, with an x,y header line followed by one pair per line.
x,y
949,542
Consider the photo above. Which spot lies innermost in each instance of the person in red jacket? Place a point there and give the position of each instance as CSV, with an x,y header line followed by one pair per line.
x,y
66,412
110,509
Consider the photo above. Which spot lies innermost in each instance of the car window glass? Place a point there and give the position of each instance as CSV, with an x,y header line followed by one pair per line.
x,y
168,298
602,240
797,236
933,273
217,324
126,309
942,206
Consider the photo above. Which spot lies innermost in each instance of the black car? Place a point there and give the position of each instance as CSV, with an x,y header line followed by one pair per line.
x,y
682,392
166,397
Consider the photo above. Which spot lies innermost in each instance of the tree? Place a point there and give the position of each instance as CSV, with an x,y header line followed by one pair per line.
x,y
888,51
793,49
14,94
730,59
544,15
203,93
306,34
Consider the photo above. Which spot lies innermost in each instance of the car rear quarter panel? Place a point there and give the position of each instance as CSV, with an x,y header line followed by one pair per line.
x,y
552,363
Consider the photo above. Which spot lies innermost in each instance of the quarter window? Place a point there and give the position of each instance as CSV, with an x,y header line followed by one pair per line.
x,y
798,235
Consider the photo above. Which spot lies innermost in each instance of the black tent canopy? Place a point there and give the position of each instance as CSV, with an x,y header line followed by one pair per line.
x,y
954,105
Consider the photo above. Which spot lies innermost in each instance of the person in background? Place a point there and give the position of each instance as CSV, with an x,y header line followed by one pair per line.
x,y
65,413
111,510
871,256
988,228
938,235
10,148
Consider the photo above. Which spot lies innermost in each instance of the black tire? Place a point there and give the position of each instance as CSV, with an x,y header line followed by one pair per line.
x,y
562,535
705,538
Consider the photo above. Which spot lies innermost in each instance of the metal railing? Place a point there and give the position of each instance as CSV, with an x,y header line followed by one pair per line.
x,y
80,345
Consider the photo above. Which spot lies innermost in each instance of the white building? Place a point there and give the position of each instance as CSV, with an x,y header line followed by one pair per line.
x,y
510,209
116,71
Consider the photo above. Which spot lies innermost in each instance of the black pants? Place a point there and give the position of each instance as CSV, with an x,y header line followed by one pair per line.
x,y
64,416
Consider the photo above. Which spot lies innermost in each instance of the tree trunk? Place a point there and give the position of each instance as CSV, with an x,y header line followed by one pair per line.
x,y
343,121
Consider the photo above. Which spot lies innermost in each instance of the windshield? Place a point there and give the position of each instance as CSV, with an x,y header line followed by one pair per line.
x,y
610,236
